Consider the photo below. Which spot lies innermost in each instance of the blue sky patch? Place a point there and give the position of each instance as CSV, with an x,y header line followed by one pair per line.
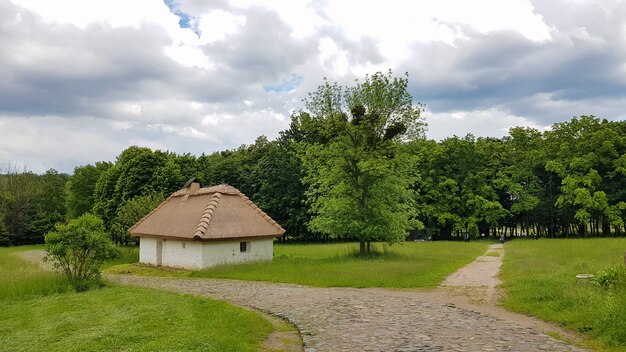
x,y
184,20
286,85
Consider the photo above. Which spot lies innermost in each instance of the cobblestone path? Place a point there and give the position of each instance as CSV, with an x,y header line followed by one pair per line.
x,y
348,319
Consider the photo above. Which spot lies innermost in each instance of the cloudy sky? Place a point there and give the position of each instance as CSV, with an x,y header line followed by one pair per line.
x,y
82,80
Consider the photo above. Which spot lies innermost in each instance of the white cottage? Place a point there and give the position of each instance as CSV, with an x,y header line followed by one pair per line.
x,y
197,228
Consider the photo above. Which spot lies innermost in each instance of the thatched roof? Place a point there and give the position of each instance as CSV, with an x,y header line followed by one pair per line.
x,y
207,214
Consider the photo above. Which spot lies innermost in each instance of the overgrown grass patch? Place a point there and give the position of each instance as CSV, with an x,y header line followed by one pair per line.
x,y
19,279
540,279
407,265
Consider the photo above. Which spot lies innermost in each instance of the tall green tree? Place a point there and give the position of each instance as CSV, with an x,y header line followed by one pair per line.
x,y
280,190
359,179
18,203
81,186
584,153
49,205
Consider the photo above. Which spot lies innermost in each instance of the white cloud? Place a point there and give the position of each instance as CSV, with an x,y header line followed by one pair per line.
x,y
493,122
300,15
189,56
115,13
218,25
183,131
42,143
397,24
121,125
82,80
332,57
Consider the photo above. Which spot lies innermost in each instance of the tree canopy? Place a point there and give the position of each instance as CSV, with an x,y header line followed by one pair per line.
x,y
358,175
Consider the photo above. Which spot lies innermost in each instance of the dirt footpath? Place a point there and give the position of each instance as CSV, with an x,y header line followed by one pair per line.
x,y
478,281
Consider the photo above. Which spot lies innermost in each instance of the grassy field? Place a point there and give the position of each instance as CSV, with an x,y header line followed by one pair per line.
x,y
19,279
540,279
407,265
39,311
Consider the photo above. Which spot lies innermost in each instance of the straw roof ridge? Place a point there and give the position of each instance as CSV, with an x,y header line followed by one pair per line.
x,y
230,190
223,189
261,212
206,217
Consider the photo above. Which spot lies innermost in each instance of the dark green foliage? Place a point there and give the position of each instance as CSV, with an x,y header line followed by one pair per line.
x,y
131,212
568,181
31,204
79,248
136,172
80,188
4,234
281,191
50,205
18,192
585,154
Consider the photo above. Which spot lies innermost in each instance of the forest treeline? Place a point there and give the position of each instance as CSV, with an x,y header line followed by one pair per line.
x,y
567,181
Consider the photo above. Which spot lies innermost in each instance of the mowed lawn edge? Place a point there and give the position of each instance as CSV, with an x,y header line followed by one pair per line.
x,y
115,318
539,278
405,265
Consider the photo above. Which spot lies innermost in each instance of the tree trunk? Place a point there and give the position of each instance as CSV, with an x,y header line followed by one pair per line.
x,y
362,248
369,248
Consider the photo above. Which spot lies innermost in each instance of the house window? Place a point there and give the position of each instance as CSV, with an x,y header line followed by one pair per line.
x,y
244,247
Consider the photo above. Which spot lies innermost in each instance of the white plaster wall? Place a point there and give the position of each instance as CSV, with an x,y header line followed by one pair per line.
x,y
174,255
147,250
227,252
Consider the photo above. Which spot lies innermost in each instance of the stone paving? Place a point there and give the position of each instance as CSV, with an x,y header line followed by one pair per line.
x,y
348,319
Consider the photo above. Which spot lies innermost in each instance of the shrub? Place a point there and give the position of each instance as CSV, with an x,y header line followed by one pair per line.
x,y
609,277
78,249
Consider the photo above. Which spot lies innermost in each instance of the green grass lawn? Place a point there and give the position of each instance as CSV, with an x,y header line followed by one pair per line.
x,y
540,279
127,255
40,312
406,265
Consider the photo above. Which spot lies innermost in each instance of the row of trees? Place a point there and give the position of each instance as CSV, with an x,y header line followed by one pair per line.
x,y
568,181
354,164
30,205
